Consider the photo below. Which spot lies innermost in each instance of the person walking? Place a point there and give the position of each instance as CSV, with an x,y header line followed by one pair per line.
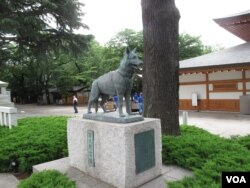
x,y
135,98
116,101
75,101
140,100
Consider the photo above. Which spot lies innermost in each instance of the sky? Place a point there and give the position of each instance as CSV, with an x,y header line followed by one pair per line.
x,y
106,18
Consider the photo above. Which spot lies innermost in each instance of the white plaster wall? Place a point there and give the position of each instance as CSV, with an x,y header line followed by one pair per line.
x,y
192,77
225,95
248,85
225,75
247,73
240,85
210,87
185,91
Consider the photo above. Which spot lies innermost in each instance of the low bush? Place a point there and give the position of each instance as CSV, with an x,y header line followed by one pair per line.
x,y
38,140
47,179
33,141
207,155
245,141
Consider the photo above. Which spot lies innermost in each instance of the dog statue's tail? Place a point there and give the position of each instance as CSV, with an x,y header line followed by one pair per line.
x,y
94,95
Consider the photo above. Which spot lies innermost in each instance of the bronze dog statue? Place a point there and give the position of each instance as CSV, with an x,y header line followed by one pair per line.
x,y
118,82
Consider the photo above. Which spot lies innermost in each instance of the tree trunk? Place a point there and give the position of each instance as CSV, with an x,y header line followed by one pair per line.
x,y
161,64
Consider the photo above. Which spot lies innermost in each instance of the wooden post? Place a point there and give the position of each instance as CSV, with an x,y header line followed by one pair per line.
x,y
244,81
207,91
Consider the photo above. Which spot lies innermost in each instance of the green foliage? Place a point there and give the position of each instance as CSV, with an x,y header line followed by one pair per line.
x,y
191,46
245,141
39,23
206,155
127,38
47,179
38,140
91,64
33,141
57,58
33,34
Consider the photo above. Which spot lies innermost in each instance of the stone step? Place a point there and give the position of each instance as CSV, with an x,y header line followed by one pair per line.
x,y
8,181
7,104
169,173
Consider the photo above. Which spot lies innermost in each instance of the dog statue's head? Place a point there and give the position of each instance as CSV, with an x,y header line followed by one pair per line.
x,y
130,61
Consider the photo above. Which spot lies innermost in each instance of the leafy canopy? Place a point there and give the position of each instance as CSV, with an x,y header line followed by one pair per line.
x,y
33,36
40,26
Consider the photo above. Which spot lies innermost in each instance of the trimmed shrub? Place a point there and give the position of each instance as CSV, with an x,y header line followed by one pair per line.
x,y
33,141
207,155
244,141
47,179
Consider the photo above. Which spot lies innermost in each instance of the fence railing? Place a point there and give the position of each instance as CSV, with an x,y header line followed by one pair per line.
x,y
8,116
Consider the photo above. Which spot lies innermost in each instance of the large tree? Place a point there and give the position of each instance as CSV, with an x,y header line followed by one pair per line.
x,y
43,24
127,38
161,63
33,34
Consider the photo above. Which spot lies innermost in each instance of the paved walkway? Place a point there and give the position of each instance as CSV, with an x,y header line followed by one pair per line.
x,y
8,181
225,124
220,123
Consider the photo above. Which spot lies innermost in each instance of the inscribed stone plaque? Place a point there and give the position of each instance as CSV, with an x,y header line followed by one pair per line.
x,y
144,151
90,147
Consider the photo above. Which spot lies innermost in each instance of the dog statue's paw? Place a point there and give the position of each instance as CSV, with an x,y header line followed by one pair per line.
x,y
122,115
132,113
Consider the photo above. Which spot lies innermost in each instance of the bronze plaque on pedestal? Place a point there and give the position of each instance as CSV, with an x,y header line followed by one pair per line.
x,y
144,151
90,147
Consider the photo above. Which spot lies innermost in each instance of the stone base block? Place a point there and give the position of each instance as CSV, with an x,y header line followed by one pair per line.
x,y
112,117
123,155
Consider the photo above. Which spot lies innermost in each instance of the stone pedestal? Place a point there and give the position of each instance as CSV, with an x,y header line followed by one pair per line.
x,y
123,155
5,95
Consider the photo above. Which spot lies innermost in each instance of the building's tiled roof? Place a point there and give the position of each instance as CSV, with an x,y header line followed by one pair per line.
x,y
231,56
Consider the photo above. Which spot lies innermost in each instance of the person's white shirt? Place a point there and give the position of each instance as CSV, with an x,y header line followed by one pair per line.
x,y
74,99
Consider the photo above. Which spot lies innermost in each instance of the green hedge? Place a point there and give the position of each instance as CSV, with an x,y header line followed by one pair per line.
x,y
47,179
33,141
207,155
38,140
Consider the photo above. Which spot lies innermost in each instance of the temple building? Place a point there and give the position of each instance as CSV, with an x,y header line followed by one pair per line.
x,y
216,81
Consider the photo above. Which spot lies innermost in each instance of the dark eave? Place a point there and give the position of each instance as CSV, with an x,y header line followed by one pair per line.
x,y
238,24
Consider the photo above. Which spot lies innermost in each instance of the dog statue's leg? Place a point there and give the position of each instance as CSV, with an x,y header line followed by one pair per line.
x,y
104,99
92,101
94,95
128,104
96,106
89,107
120,106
